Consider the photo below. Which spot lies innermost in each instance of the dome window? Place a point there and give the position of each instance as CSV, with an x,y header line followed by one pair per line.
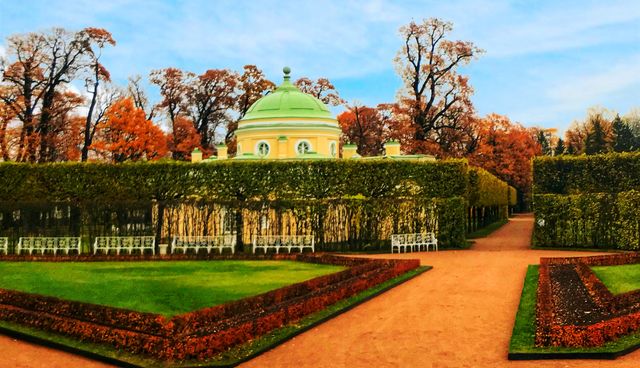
x,y
262,149
303,147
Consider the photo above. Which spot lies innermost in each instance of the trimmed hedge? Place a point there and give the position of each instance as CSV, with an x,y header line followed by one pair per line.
x,y
346,204
587,201
207,332
608,173
589,220
230,180
488,199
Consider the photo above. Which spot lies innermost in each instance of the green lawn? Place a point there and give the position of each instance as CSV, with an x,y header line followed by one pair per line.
x,y
619,279
167,288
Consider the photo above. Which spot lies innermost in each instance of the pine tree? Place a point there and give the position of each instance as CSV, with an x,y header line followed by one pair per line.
x,y
544,143
596,141
625,141
559,150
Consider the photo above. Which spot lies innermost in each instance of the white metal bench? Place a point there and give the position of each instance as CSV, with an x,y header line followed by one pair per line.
x,y
288,242
196,243
4,245
44,244
413,242
124,243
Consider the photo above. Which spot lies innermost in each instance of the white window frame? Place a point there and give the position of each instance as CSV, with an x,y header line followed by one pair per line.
x,y
257,149
303,141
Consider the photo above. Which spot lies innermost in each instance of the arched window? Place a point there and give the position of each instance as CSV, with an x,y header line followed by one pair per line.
x,y
333,149
262,149
303,147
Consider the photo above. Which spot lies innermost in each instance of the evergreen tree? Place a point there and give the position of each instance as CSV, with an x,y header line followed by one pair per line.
x,y
625,141
544,143
559,150
596,141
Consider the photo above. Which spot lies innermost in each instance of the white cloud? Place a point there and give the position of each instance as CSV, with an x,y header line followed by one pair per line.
x,y
588,89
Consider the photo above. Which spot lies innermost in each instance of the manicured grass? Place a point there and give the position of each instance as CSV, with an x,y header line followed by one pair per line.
x,y
619,279
522,345
227,359
487,230
167,288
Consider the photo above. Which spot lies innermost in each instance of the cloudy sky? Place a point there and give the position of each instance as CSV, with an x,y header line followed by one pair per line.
x,y
545,62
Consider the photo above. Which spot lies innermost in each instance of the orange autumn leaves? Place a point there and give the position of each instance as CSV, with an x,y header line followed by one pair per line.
x,y
128,135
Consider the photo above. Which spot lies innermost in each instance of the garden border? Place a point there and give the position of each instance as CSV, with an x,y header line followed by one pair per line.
x,y
596,290
398,280
207,332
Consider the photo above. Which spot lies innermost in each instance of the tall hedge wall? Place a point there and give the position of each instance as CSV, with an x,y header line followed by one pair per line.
x,y
587,201
345,203
608,173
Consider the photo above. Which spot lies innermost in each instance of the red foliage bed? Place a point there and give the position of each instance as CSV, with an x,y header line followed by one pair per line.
x,y
613,315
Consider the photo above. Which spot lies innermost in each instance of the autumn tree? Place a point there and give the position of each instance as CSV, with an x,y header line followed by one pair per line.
x,y
365,127
7,115
505,149
322,89
211,96
65,138
136,91
174,91
252,85
127,135
23,86
185,138
435,95
38,69
99,38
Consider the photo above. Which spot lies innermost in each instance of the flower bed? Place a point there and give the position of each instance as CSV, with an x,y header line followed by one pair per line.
x,y
203,333
595,315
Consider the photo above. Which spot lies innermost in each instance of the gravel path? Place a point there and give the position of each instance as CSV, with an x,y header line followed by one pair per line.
x,y
460,314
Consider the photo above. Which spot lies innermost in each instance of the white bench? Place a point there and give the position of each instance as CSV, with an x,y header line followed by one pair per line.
x,y
49,244
4,245
412,242
203,242
126,243
288,242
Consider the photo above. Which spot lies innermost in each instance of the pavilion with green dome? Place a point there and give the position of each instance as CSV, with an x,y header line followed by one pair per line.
x,y
291,124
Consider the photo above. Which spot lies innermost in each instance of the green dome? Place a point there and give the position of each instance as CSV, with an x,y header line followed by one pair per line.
x,y
287,101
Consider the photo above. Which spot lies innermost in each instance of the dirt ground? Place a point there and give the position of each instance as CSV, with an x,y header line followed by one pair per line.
x,y
460,314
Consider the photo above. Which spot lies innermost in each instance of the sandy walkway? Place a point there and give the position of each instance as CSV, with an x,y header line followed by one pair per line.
x,y
460,314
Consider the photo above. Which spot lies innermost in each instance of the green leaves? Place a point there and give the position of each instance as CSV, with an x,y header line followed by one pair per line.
x,y
608,173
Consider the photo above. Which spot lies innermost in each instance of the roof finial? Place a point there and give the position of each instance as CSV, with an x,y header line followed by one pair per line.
x,y
286,71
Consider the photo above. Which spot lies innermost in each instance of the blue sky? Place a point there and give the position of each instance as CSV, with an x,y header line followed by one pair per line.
x,y
545,63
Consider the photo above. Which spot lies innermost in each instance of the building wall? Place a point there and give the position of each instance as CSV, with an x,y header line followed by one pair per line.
x,y
283,140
